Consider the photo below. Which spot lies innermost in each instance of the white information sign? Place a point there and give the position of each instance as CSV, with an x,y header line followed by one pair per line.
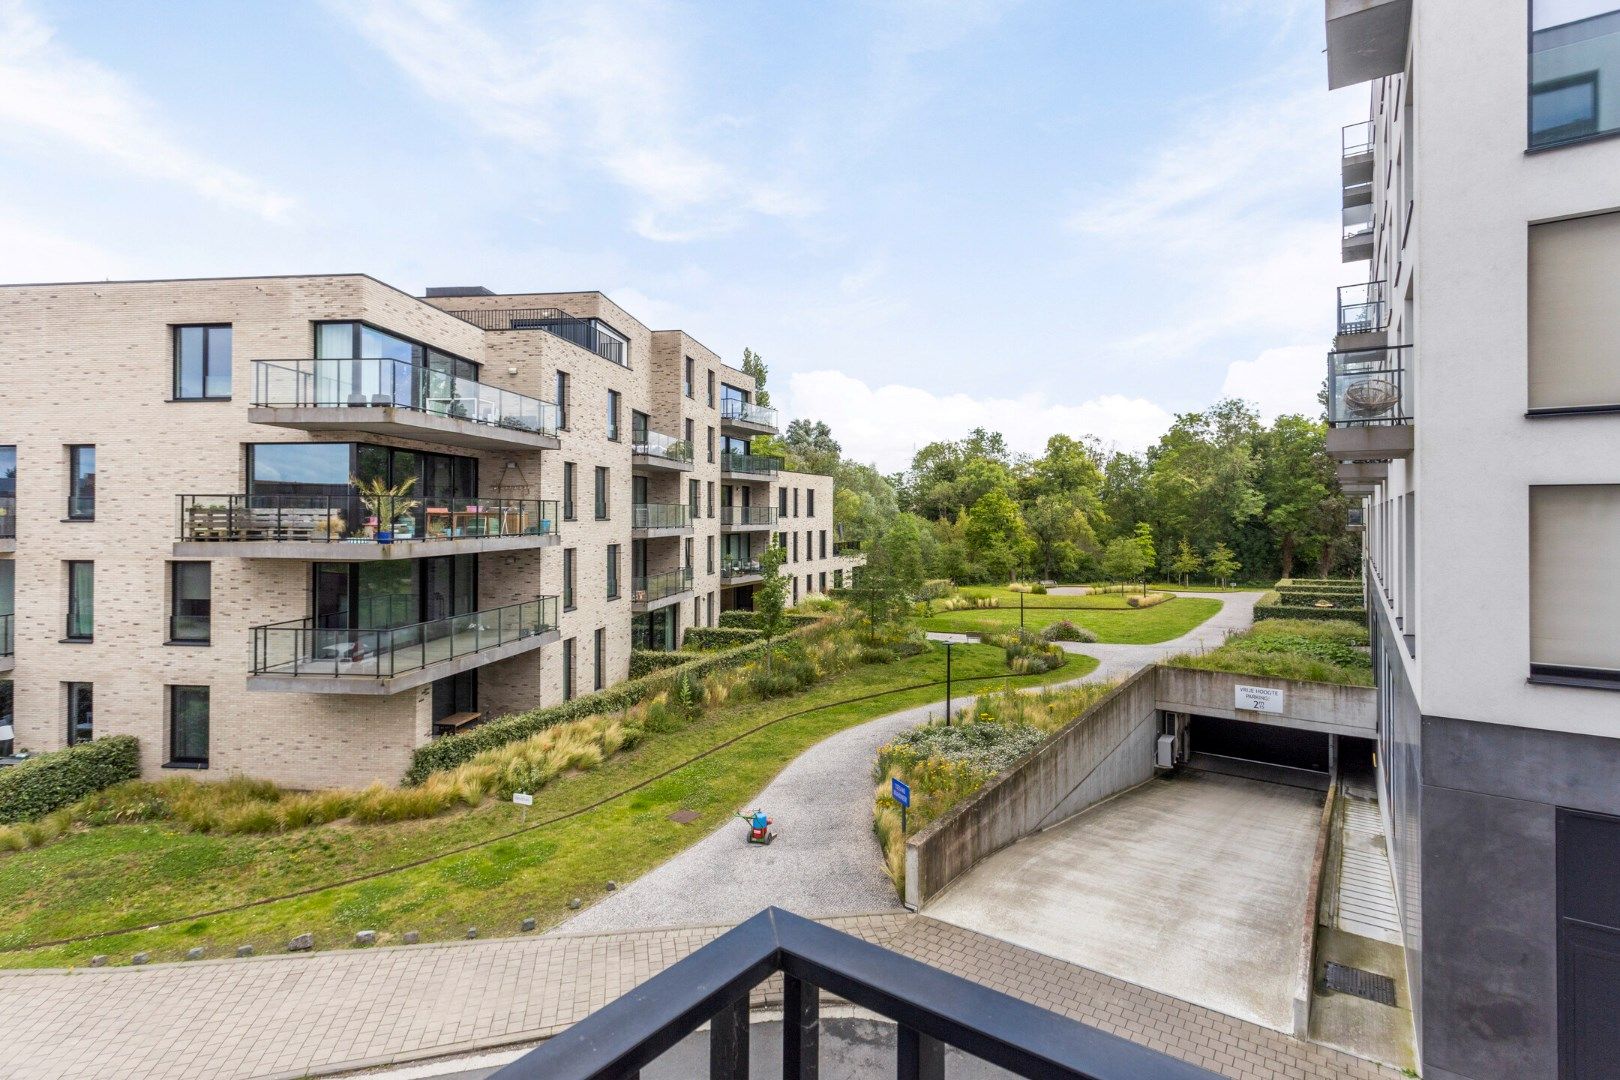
x,y
1264,699
522,798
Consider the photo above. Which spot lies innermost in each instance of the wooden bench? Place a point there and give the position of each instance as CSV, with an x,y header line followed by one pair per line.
x,y
225,523
455,722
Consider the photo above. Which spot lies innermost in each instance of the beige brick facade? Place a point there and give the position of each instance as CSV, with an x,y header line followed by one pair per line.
x,y
93,364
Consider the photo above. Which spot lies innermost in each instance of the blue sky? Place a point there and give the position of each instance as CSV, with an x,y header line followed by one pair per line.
x,y
1040,216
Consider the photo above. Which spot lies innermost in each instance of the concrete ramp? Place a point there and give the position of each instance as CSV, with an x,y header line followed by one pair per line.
x,y
1193,885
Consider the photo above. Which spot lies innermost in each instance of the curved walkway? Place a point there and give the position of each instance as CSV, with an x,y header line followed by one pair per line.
x,y
826,861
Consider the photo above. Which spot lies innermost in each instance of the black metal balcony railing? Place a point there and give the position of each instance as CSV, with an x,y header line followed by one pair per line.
x,y
931,1008
655,444
1362,308
661,516
379,382
731,568
758,464
645,588
1368,387
300,648
7,634
8,517
325,519
587,333
748,515
1357,139
747,412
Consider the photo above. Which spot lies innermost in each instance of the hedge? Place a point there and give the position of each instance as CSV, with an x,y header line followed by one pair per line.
x,y
451,750
647,661
1354,584
1296,597
1294,611
703,638
60,778
743,619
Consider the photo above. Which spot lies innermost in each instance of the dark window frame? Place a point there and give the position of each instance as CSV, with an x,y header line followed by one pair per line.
x,y
75,503
175,758
599,660
563,387
568,669
73,689
613,409
175,601
601,505
207,338
73,607
570,570
570,507
613,576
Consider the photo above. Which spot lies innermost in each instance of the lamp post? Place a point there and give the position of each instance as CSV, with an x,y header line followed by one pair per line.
x,y
948,645
1020,613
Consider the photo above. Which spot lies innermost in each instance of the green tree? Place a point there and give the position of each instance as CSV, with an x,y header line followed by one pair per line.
x,y
811,445
1200,475
884,585
1061,533
770,599
947,478
1123,560
754,364
1186,561
1144,540
1295,476
1223,564
996,534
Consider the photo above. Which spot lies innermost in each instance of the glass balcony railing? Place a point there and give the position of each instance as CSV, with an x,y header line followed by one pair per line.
x,y
1368,387
660,516
1357,139
645,588
757,464
592,334
1362,308
327,519
8,517
385,383
658,445
7,634
730,568
747,412
748,515
299,648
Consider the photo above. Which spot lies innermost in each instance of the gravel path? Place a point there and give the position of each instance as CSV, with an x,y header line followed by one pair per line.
x,y
826,861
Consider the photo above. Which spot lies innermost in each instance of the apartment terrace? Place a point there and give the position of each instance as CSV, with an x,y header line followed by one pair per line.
x,y
745,416
344,528
747,518
299,657
1369,405
592,335
651,450
750,465
394,397
648,592
741,571
649,520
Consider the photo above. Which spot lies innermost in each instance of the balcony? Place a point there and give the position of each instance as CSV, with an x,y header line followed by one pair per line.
x,y
750,465
393,397
930,1007
747,518
741,571
1363,317
1361,477
8,524
1356,521
746,416
8,641
343,528
848,548
1369,407
298,657
648,592
592,335
652,450
1366,39
648,520
1356,236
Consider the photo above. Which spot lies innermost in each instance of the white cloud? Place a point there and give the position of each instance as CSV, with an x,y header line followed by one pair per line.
x,y
1279,381
887,424
601,82
28,253
47,89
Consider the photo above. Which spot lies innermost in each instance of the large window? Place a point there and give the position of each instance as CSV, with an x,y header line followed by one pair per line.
x,y
613,415
81,592
691,377
1574,309
1574,70
613,571
81,483
562,399
202,363
1575,584
81,713
188,726
191,602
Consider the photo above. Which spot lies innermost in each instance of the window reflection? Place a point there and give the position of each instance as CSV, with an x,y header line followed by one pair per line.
x,y
1574,70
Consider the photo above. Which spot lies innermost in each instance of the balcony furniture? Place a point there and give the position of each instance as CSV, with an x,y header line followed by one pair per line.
x,y
1372,396
253,523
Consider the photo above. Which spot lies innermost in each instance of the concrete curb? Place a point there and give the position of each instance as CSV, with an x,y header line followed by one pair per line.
x,y
1305,977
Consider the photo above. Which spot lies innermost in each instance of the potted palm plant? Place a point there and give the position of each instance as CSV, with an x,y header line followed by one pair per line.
x,y
387,503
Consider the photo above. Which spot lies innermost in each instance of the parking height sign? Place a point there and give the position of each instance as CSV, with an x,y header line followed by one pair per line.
x,y
1264,699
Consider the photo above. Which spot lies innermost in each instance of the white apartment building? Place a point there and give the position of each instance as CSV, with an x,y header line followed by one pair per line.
x,y
295,527
1474,397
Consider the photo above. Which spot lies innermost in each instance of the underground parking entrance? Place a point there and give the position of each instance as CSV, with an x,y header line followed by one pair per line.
x,y
1277,754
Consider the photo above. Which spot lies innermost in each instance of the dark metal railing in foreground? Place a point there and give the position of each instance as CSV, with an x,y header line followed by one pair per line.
x,y
932,1008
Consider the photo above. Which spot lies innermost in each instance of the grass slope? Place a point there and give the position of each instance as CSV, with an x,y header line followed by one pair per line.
x,y
1121,626
1318,650
137,875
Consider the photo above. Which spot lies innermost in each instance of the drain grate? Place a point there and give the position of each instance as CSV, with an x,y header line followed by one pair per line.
x,y
1363,984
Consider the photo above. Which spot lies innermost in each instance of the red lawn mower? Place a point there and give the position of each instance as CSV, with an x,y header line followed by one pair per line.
x,y
759,827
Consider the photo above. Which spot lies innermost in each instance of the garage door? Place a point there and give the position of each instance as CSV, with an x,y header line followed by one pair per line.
x,y
1259,742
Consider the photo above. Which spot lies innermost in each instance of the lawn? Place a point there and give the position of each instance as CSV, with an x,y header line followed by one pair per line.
x,y
1318,650
1119,626
584,829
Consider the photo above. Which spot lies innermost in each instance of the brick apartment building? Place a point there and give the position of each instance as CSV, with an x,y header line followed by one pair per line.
x,y
197,546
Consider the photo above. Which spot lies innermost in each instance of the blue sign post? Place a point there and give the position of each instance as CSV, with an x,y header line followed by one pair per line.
x,y
902,795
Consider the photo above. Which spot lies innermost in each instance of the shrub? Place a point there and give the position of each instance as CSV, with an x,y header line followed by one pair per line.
x,y
1147,600
62,777
1322,650
1295,596
935,589
743,619
1272,607
1064,630
706,638
1027,652
1038,589
875,654
647,661
1019,586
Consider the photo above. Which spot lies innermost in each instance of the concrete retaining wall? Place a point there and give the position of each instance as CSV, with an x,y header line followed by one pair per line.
x,y
1105,751
1307,706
